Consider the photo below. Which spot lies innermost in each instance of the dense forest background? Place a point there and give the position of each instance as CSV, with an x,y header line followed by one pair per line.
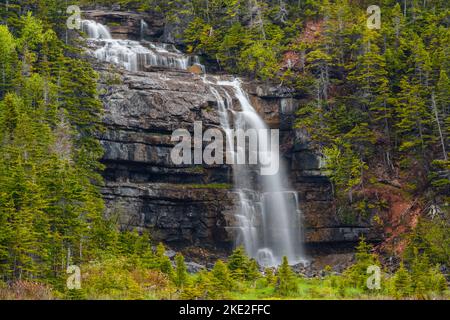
x,y
378,110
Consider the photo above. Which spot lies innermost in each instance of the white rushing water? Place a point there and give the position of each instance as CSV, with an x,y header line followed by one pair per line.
x,y
143,28
135,55
268,219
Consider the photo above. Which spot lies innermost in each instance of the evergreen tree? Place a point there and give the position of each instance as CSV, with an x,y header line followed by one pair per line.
x,y
432,239
438,282
286,279
413,118
8,59
238,264
402,282
181,275
164,263
221,277
253,271
271,279
356,275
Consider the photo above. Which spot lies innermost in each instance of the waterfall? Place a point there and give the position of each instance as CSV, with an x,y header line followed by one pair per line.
x,y
268,218
143,28
95,30
135,55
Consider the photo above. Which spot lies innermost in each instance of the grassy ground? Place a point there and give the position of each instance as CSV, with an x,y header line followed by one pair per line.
x,y
129,289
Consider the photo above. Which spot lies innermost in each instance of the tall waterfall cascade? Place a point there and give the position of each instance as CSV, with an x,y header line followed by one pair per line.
x,y
268,219
268,216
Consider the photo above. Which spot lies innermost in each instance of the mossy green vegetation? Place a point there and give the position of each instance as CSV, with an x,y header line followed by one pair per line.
x,y
143,276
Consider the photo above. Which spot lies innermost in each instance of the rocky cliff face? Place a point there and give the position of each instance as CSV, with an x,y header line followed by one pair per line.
x,y
194,205
179,204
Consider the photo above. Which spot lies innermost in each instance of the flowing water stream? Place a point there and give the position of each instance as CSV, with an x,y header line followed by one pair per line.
x,y
135,55
268,219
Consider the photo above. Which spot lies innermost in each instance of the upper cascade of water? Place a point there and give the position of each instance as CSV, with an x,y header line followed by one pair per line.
x,y
135,55
95,30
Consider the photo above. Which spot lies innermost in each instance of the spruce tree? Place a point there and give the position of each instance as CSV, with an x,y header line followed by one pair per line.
x,y
413,118
221,277
253,270
271,279
286,279
238,264
402,282
8,60
356,275
181,275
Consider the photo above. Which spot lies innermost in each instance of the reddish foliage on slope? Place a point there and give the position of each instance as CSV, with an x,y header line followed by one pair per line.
x,y
400,217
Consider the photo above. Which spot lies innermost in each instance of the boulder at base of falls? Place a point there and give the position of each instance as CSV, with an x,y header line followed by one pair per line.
x,y
193,267
170,253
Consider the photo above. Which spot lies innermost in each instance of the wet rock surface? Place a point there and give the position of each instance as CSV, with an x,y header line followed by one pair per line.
x,y
193,267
